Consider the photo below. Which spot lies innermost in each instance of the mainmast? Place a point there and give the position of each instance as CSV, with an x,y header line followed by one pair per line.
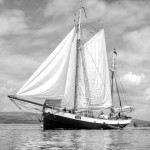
x,y
78,30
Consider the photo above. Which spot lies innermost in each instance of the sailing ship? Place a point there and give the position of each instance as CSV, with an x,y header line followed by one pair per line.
x,y
77,86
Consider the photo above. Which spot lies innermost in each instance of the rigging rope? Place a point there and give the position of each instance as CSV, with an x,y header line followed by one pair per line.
x,y
25,113
123,91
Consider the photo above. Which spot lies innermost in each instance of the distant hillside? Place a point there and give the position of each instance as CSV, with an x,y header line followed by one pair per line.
x,y
21,118
140,123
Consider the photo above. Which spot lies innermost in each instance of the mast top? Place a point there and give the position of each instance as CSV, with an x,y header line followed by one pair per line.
x,y
114,59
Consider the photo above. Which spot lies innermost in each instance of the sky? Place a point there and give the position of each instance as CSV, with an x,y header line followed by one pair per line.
x,y
31,29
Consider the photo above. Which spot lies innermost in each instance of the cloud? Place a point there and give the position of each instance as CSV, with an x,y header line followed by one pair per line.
x,y
139,39
15,70
134,50
57,8
47,29
147,95
147,91
16,66
1,1
133,78
119,18
39,42
141,111
12,22
6,104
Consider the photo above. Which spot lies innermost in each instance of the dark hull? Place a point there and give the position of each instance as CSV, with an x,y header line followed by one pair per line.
x,y
51,121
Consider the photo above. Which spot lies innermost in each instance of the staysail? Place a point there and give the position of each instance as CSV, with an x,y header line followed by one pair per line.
x,y
53,79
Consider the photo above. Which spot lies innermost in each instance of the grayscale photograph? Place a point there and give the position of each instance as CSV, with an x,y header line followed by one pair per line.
x,y
74,74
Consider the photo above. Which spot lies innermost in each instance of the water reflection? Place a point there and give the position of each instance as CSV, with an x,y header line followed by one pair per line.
x,y
75,139
30,137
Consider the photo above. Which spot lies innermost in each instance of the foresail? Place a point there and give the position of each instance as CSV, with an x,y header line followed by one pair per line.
x,y
97,74
52,79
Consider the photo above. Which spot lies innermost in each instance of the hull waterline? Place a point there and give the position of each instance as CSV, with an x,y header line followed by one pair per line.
x,y
62,121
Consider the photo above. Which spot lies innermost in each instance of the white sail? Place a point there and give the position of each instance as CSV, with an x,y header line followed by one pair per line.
x,y
97,74
54,78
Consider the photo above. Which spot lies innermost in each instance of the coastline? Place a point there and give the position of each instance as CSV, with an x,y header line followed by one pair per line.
x,y
21,118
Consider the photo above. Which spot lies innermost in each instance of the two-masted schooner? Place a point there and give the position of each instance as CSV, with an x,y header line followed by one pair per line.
x,y
77,86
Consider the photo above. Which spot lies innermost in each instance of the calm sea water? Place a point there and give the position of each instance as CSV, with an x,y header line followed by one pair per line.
x,y
32,137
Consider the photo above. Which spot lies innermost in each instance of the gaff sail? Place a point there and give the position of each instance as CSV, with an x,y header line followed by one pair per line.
x,y
97,72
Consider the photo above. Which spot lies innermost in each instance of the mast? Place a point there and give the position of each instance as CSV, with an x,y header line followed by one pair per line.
x,y
114,78
112,74
78,30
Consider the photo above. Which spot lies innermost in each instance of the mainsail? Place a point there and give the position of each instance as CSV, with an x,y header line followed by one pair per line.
x,y
95,61
55,78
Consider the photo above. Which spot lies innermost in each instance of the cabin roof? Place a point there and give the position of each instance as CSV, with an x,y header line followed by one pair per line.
x,y
53,102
